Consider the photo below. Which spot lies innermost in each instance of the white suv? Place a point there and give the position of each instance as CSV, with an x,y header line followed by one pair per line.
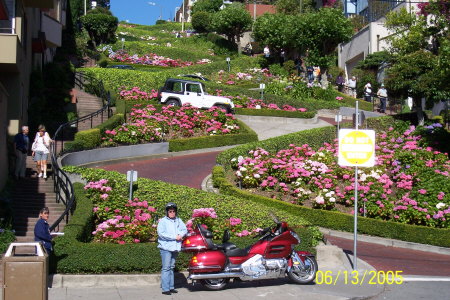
x,y
180,91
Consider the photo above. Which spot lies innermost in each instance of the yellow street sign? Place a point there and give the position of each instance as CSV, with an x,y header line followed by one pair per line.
x,y
356,148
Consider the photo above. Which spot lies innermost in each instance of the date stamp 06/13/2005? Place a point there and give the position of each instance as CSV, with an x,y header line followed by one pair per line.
x,y
359,277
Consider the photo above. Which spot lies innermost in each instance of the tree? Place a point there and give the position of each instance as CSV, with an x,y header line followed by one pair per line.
x,y
100,26
201,21
210,6
293,7
279,31
420,52
321,32
232,21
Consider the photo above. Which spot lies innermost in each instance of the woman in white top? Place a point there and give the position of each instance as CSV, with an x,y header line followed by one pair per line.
x,y
40,150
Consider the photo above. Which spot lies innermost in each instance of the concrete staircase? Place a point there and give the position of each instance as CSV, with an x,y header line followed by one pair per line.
x,y
29,196
87,104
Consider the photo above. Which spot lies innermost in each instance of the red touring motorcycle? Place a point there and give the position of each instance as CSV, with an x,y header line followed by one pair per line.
x,y
272,256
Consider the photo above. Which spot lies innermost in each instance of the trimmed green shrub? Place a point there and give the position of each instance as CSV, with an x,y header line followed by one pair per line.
x,y
113,122
90,138
247,135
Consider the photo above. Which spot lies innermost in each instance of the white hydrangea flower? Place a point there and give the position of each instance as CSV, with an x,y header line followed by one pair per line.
x,y
440,205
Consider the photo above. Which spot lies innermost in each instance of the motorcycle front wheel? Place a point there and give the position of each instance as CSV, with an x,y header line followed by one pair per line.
x,y
215,284
306,274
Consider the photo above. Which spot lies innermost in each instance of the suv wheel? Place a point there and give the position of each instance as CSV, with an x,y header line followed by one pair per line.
x,y
173,102
221,106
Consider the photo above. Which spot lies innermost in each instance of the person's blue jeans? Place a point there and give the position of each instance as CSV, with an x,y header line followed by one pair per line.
x,y
168,265
382,104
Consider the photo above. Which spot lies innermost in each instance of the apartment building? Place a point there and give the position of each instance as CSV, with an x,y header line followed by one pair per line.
x,y
30,32
372,37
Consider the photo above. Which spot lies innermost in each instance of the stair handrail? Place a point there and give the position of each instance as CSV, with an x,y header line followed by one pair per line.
x,y
63,186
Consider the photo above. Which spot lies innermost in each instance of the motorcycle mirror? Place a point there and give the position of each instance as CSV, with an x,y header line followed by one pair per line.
x,y
274,218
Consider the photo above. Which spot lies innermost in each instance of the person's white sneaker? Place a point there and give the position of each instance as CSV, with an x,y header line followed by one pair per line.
x,y
45,176
40,175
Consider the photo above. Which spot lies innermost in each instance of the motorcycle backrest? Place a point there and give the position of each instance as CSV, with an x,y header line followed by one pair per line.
x,y
226,236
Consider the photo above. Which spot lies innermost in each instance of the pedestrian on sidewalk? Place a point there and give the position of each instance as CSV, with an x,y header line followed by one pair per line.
x,y
21,146
42,231
40,148
352,86
171,231
382,94
368,92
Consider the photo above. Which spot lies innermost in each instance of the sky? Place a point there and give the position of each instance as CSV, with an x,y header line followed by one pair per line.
x,y
140,12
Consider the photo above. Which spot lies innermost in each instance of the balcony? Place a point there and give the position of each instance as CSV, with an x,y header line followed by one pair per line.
x,y
38,3
9,56
52,30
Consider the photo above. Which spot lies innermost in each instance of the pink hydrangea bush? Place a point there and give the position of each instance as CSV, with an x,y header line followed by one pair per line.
x,y
152,59
136,94
247,102
408,184
208,218
119,220
147,125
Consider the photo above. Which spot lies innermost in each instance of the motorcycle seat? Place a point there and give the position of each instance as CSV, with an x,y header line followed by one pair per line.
x,y
226,246
238,251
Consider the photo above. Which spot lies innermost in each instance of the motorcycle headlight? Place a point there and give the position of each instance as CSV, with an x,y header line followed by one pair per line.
x,y
296,236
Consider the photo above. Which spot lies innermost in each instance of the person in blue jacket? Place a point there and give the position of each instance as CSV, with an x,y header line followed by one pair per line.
x,y
171,231
41,230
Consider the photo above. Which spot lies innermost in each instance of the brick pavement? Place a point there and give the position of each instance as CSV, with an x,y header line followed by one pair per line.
x,y
388,258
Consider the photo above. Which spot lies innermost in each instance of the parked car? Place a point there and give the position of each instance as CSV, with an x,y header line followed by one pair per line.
x,y
180,91
125,67
195,76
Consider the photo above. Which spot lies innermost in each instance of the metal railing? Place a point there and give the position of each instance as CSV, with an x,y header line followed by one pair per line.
x,y
63,186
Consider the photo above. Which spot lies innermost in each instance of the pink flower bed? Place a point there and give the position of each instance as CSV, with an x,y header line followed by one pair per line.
x,y
152,59
147,125
409,183
247,102
136,94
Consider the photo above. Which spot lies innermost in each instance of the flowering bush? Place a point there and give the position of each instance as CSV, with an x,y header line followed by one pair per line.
x,y
147,125
247,102
136,94
408,184
152,59
208,218
254,75
118,220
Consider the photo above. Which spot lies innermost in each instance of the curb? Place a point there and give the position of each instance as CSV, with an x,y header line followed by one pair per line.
x,y
109,280
387,242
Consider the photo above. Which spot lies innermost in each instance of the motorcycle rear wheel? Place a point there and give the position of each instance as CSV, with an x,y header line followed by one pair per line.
x,y
215,284
304,276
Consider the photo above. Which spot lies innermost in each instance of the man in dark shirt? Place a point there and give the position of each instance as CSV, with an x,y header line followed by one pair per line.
x,y
21,145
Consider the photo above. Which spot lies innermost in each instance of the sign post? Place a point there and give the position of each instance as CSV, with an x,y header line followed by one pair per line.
x,y
131,177
356,148
262,86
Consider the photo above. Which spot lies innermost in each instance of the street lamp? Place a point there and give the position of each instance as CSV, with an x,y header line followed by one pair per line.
x,y
156,4
176,10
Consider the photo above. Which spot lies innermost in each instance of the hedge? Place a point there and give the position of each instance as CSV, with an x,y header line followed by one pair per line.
x,y
275,113
340,221
246,135
73,252
91,138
